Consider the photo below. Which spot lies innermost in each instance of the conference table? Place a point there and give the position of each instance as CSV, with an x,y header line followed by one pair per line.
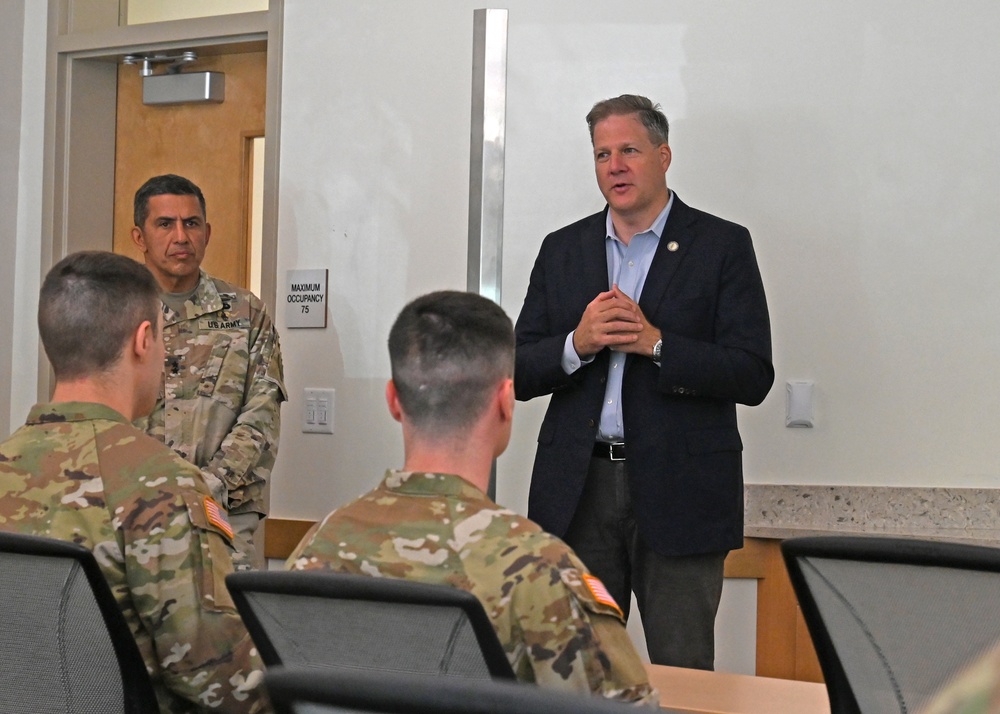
x,y
693,691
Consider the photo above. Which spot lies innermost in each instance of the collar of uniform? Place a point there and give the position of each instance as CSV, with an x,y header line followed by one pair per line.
x,y
420,483
72,411
206,299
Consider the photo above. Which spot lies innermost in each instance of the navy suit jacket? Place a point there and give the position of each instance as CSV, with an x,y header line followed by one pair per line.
x,y
684,449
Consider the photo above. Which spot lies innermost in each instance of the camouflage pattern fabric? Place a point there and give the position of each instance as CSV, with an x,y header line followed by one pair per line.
x,y
219,404
80,472
974,691
438,528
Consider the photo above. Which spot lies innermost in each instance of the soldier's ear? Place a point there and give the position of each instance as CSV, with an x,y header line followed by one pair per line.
x,y
143,339
392,400
505,397
138,238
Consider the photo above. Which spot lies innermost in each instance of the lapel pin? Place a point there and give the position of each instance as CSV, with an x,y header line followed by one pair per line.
x,y
672,246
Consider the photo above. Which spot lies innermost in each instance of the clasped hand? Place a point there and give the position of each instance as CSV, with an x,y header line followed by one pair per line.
x,y
613,319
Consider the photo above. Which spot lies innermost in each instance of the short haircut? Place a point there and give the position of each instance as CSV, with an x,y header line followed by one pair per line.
x,y
448,351
651,115
90,304
165,185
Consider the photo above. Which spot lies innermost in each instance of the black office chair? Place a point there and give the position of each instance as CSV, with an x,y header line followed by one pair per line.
x,y
893,619
299,691
64,644
325,619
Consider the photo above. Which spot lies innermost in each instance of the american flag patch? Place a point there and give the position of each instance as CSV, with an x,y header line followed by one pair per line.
x,y
217,517
600,592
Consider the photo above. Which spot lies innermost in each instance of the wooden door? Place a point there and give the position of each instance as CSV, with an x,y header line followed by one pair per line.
x,y
207,143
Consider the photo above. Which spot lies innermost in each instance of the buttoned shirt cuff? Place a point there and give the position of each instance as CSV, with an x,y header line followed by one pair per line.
x,y
571,361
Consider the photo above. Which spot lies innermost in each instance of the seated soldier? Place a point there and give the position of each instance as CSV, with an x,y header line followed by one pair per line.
x,y
452,358
79,471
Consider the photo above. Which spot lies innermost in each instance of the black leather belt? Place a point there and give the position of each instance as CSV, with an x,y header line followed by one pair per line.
x,y
614,452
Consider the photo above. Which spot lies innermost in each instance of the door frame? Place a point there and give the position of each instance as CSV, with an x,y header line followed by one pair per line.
x,y
80,102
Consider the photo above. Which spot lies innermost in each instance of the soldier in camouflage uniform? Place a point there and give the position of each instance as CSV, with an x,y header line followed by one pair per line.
x,y
974,691
79,471
452,360
222,383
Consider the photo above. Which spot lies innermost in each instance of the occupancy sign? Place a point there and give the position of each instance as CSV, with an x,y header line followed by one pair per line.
x,y
305,298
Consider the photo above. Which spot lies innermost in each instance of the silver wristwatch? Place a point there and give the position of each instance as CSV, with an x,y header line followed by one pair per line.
x,y
657,351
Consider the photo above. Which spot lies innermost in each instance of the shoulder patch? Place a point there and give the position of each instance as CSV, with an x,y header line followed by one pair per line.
x,y
600,592
217,517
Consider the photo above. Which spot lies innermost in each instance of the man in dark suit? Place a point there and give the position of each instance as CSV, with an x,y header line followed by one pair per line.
x,y
647,323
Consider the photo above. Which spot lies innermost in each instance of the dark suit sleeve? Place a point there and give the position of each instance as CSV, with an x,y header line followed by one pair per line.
x,y
720,346
541,334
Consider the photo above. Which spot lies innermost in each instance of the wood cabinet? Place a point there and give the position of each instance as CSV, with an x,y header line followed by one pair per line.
x,y
784,648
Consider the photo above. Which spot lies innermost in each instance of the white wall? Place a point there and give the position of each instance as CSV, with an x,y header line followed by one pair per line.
x,y
856,140
22,75
374,187
11,42
142,11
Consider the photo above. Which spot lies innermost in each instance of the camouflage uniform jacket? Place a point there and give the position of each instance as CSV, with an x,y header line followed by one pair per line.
x,y
80,472
219,405
973,691
438,528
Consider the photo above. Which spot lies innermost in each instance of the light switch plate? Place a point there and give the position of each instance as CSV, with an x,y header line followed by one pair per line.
x,y
317,416
799,403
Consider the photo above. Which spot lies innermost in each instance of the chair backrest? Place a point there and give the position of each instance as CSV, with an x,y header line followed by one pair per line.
x,y
893,619
298,691
328,619
64,643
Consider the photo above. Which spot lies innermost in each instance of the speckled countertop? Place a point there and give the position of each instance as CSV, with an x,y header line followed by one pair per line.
x,y
960,514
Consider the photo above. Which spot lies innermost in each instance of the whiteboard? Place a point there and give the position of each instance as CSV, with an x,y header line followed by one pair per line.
x,y
859,143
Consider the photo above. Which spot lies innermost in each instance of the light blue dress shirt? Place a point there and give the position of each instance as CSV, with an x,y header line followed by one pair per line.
x,y
628,266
